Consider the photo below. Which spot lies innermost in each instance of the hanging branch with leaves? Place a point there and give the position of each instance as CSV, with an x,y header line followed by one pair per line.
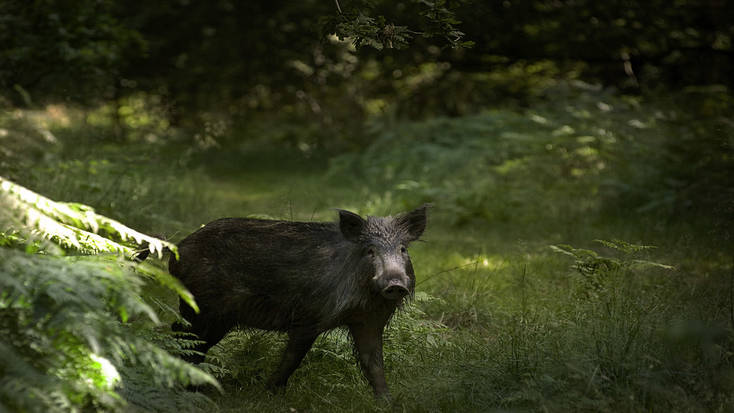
x,y
358,24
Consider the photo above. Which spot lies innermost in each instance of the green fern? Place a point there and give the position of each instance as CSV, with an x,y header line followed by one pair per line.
x,y
72,225
61,316
596,269
75,331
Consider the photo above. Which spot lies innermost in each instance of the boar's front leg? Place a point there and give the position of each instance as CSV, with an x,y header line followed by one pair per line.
x,y
298,346
368,343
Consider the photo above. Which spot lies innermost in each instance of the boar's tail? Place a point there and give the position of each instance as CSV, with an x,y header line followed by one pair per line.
x,y
142,254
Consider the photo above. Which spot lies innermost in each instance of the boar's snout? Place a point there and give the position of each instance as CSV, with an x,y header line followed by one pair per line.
x,y
395,290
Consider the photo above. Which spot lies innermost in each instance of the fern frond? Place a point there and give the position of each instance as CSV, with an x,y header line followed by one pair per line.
x,y
166,280
59,316
74,225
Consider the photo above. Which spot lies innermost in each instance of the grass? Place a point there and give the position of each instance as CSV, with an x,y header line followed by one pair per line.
x,y
501,322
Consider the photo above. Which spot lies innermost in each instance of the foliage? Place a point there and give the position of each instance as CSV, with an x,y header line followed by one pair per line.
x,y
70,340
585,149
638,45
48,45
73,226
353,23
633,342
593,267
181,55
77,227
367,31
134,48
77,333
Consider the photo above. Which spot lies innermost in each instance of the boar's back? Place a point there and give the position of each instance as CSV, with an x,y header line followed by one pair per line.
x,y
261,273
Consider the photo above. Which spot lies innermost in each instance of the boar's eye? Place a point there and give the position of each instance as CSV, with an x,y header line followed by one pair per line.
x,y
402,249
371,252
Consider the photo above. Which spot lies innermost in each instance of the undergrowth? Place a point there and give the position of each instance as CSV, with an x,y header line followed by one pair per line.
x,y
77,331
538,286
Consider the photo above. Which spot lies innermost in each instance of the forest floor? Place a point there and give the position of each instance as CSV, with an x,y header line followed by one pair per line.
x,y
509,316
529,296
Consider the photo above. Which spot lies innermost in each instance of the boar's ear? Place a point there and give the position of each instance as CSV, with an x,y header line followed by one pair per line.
x,y
414,222
350,224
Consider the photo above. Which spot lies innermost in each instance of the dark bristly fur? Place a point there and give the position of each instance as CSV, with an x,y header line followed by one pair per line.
x,y
303,278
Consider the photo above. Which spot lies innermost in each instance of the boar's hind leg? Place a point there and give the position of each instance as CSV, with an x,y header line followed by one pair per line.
x,y
298,346
368,343
209,331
